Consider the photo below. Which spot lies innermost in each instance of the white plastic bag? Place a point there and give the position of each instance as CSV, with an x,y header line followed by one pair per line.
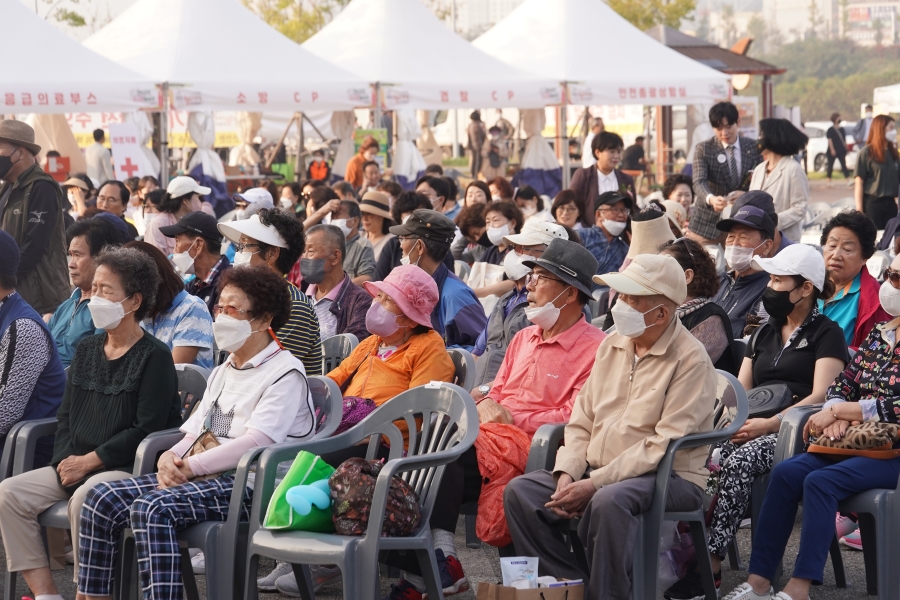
x,y
666,577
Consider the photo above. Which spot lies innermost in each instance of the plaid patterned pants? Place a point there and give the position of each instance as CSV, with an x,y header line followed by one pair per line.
x,y
155,516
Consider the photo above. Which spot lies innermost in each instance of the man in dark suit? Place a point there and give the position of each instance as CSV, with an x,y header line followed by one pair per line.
x,y
722,165
604,176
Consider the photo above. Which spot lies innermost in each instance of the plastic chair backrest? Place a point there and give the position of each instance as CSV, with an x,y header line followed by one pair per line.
x,y
738,349
327,400
440,418
191,385
335,349
464,365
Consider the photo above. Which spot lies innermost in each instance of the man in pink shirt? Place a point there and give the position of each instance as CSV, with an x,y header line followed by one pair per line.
x,y
547,363
540,376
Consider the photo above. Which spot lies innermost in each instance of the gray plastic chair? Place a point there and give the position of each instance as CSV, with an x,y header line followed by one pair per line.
x,y
465,368
212,536
427,410
191,386
646,554
27,434
335,349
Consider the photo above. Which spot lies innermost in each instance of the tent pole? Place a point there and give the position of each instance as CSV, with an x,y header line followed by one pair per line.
x,y
377,123
164,138
300,165
564,140
271,158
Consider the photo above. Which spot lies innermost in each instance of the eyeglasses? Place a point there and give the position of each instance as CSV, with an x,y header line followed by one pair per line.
x,y
535,279
893,276
684,243
567,208
615,211
228,309
533,251
405,238
240,247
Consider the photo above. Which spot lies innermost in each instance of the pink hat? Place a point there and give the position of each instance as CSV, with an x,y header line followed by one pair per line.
x,y
412,289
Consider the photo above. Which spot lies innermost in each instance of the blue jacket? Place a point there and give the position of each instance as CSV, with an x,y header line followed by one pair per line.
x,y
70,324
458,317
48,392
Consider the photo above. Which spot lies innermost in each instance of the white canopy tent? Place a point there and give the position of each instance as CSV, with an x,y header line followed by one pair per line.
x,y
416,62
59,75
217,55
575,34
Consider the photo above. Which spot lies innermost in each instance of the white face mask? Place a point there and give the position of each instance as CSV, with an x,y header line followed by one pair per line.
x,y
184,262
286,204
240,214
242,258
739,258
513,266
405,260
629,321
890,299
106,314
496,234
529,210
615,228
544,316
148,218
496,198
342,225
868,114
231,333
891,135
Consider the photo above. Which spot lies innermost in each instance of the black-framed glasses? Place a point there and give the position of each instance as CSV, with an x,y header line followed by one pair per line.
x,y
891,275
241,247
532,251
615,211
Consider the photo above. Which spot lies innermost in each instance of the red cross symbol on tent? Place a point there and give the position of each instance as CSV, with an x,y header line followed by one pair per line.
x,y
129,167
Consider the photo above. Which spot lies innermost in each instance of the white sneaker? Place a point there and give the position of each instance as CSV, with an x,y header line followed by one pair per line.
x,y
198,561
783,596
745,592
321,576
267,583
746,523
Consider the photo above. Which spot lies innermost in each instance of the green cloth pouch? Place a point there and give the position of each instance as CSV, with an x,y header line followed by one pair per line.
x,y
306,470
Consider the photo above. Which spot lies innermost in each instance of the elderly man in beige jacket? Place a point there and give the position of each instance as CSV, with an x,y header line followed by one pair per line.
x,y
652,382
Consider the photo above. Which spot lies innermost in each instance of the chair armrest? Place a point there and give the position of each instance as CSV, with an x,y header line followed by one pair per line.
x,y
790,434
9,450
544,445
333,420
29,434
150,446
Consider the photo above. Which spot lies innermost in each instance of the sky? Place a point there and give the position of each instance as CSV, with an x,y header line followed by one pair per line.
x,y
96,12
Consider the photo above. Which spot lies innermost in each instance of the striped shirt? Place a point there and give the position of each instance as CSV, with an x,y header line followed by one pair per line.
x,y
300,335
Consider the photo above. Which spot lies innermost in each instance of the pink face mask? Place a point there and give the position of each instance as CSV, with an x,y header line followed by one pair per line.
x,y
380,321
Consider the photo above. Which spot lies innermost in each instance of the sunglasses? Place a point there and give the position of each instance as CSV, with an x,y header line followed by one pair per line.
x,y
893,276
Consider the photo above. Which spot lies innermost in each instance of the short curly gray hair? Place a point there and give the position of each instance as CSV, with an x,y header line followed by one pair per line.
x,y
136,271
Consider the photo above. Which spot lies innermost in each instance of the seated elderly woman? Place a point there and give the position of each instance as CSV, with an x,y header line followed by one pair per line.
x,y
706,320
866,391
179,320
121,387
799,347
403,352
848,241
259,396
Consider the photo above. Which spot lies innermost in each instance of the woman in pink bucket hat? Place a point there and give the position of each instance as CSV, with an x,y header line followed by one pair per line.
x,y
403,352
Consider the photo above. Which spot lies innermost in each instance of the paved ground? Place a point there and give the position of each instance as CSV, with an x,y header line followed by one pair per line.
x,y
483,565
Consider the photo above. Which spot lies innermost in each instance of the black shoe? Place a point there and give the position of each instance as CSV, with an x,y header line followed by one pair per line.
x,y
691,587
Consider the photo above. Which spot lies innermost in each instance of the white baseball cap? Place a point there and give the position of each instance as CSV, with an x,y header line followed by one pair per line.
x,y
536,232
796,259
184,185
253,195
252,228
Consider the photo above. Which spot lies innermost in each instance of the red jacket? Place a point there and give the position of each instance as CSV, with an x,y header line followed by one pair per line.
x,y
869,313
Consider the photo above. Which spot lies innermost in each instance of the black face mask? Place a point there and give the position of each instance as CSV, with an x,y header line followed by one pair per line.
x,y
312,269
778,304
484,240
6,164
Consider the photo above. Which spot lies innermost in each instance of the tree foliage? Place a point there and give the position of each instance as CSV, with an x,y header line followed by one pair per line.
x,y
644,14
296,19
826,76
64,15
